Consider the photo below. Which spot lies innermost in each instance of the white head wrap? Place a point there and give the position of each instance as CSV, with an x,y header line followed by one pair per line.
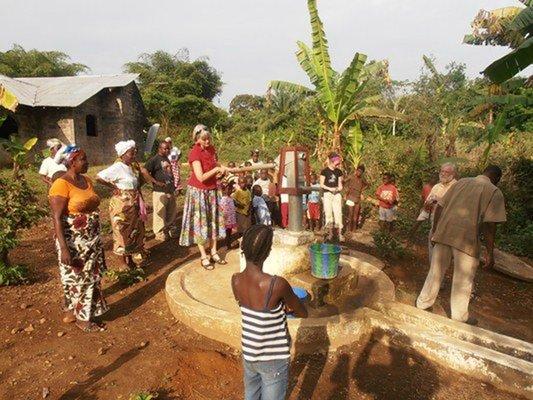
x,y
124,146
168,139
199,129
53,142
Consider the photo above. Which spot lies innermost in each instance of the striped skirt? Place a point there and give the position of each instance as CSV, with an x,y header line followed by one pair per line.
x,y
203,218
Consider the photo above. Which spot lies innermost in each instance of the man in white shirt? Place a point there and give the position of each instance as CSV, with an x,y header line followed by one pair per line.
x,y
447,178
49,167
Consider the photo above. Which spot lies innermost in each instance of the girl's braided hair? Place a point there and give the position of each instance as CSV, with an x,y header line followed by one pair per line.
x,y
257,243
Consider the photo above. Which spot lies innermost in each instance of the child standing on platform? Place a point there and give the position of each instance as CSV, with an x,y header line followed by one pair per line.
x,y
313,204
261,211
230,217
243,199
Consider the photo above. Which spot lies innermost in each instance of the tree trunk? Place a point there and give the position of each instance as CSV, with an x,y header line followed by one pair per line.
x,y
431,142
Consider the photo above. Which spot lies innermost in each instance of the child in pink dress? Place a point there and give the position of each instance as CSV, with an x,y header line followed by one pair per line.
x,y
228,208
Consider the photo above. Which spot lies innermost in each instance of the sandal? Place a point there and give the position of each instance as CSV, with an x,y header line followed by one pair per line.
x,y
92,327
215,258
206,264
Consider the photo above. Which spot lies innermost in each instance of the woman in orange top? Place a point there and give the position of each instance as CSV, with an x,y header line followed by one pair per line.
x,y
74,206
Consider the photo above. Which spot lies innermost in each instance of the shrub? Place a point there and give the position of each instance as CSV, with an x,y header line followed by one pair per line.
x,y
20,210
126,277
12,274
143,396
388,246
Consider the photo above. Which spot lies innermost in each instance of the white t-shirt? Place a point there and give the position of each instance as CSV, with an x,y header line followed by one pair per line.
x,y
265,186
120,175
49,167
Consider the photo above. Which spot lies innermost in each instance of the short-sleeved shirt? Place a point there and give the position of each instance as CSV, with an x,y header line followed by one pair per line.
x,y
79,200
121,175
243,199
354,186
314,196
388,192
208,160
160,169
331,177
49,167
437,192
466,205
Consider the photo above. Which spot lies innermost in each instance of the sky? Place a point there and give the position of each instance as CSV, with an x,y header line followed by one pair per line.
x,y
250,42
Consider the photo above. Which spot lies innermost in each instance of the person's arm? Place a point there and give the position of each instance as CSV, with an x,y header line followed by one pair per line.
x,y
322,183
489,233
147,171
203,176
46,180
340,185
292,302
110,185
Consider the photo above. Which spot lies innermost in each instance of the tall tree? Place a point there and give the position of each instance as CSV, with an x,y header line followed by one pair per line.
x,y
342,98
178,90
18,62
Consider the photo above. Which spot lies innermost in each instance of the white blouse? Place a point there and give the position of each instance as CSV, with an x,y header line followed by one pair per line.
x,y
120,175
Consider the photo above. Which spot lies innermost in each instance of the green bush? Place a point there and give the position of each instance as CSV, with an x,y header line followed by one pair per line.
x,y
126,277
13,274
388,246
143,396
20,210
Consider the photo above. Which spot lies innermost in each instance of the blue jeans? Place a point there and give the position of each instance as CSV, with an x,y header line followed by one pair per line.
x,y
266,380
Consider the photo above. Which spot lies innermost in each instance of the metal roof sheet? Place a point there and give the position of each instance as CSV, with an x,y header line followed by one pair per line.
x,y
65,91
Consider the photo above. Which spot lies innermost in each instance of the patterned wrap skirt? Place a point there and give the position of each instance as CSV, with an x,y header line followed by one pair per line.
x,y
203,217
126,223
82,290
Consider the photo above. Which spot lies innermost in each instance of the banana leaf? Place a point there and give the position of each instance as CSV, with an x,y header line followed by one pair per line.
x,y
509,65
7,99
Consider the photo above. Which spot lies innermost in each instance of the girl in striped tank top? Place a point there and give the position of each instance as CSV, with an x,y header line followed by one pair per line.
x,y
264,300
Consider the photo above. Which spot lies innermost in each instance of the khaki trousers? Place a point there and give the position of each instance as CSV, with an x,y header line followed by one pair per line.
x,y
333,209
165,212
463,278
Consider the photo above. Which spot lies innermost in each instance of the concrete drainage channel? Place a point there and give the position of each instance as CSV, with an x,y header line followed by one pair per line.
x,y
353,307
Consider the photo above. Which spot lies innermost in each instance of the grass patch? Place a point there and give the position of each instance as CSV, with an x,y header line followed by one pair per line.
x,y
388,246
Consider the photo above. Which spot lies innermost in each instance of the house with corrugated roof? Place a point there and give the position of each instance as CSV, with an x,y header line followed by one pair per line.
x,y
93,111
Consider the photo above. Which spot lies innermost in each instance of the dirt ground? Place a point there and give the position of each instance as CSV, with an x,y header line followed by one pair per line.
x,y
145,348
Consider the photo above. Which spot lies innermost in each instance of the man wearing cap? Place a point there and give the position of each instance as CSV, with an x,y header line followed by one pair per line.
x,y
469,207
49,167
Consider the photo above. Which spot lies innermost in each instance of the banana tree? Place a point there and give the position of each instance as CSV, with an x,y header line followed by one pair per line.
x,y
507,26
492,134
18,151
342,98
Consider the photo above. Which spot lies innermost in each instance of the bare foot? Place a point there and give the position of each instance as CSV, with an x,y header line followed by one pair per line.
x,y
69,317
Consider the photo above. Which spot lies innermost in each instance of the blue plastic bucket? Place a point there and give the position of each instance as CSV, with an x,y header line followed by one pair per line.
x,y
301,293
324,260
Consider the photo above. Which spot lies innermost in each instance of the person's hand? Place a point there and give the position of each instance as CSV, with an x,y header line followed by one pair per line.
x,y
488,261
66,259
116,190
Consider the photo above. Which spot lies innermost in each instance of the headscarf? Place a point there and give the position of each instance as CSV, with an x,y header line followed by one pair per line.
x,y
53,142
66,154
124,146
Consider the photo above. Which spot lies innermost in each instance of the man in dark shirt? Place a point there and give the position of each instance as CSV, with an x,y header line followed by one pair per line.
x,y
164,193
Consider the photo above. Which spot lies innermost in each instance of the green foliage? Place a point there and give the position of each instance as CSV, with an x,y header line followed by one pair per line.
x,y
11,275
126,277
18,151
18,62
342,98
388,246
143,396
177,90
19,211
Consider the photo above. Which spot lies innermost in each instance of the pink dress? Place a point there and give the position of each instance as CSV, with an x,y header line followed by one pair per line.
x,y
228,209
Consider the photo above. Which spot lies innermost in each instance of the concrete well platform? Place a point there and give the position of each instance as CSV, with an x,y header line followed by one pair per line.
x,y
203,300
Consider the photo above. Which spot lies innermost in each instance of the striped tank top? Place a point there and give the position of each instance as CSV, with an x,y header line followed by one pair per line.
x,y
264,333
